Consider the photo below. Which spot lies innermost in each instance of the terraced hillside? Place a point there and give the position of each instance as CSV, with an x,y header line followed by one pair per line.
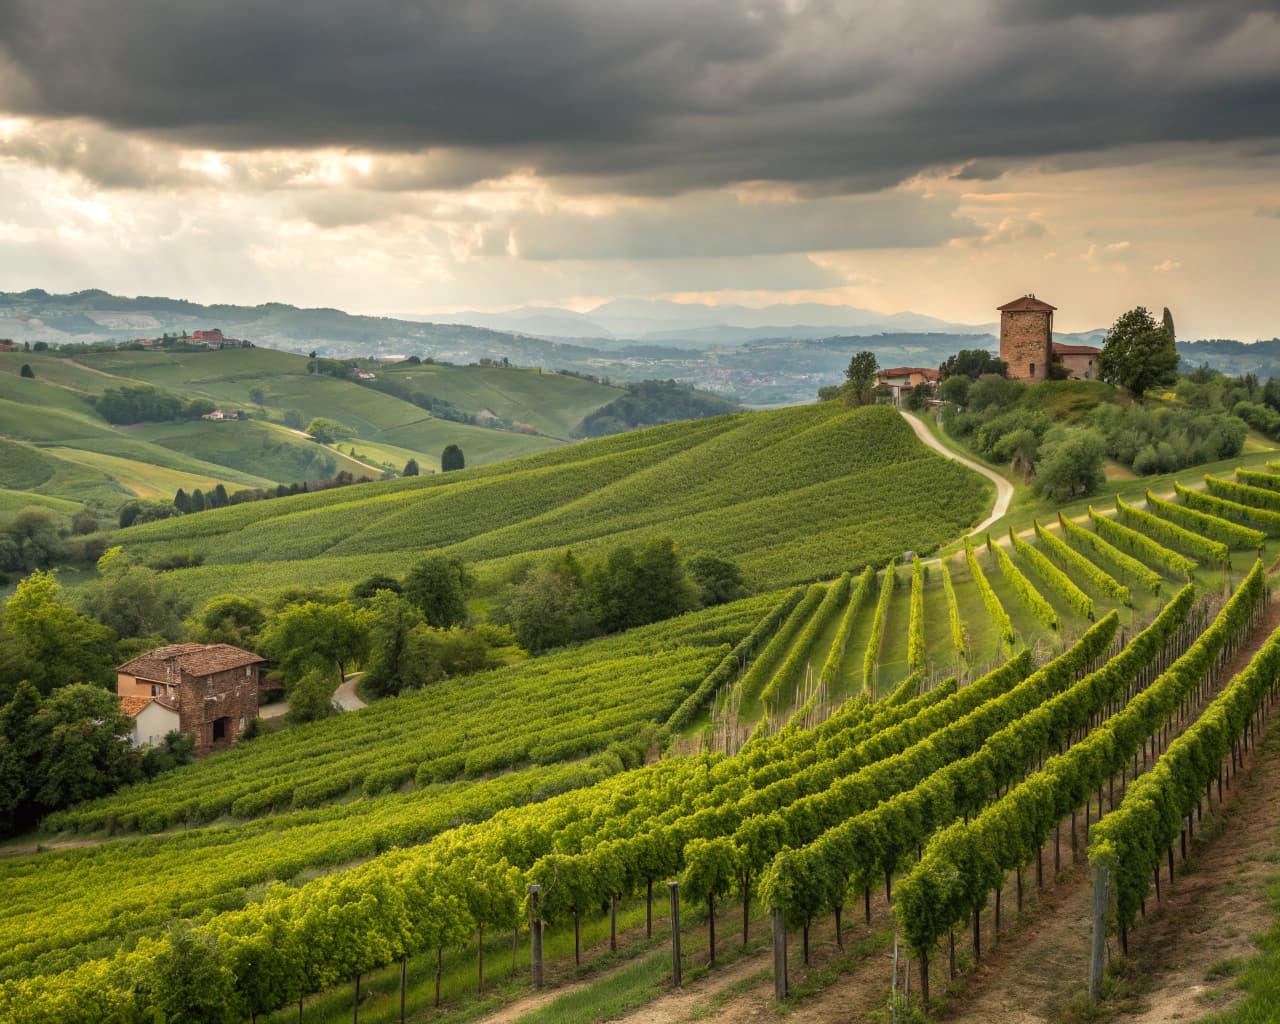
x,y
834,788
794,494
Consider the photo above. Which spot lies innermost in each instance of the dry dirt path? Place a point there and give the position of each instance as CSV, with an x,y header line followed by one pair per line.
x,y
345,695
1004,489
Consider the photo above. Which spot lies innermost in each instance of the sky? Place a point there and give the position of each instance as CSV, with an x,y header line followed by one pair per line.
x,y
411,156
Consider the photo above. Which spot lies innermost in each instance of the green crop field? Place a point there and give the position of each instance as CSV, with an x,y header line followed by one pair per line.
x,y
795,494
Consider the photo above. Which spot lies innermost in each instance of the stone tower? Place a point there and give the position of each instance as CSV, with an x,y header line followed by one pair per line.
x,y
1026,337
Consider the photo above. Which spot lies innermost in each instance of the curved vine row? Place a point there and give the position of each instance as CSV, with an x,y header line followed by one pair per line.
x,y
999,617
1126,565
1141,546
1057,580
1172,535
1024,588
1072,561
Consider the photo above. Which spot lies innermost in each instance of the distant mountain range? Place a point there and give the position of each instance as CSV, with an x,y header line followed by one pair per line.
x,y
658,321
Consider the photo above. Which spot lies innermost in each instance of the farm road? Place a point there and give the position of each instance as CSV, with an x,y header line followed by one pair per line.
x,y
1004,489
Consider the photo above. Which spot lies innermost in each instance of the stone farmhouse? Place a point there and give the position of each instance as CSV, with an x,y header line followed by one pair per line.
x,y
1027,345
211,688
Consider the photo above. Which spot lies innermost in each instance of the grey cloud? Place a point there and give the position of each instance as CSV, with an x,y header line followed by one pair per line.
x,y
652,98
717,225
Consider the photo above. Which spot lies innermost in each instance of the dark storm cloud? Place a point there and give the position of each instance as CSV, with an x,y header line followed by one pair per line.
x,y
657,97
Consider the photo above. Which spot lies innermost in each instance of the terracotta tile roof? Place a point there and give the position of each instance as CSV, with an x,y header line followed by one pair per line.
x,y
1075,350
164,664
903,371
133,705
1025,304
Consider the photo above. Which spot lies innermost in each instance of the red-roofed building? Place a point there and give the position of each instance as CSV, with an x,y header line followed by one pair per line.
x,y
212,687
1080,361
153,719
901,379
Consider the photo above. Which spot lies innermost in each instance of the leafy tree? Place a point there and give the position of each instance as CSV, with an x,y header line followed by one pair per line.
x,y
311,692
634,588
972,363
451,458
182,502
228,619
197,501
410,468
365,589
327,431
718,581
438,587
1072,465
1166,321
219,497
50,643
994,391
391,620
435,654
257,396
137,512
1138,355
84,523
133,600
72,745
955,389
304,635
26,371
293,419
860,378
550,607
1020,448
920,395
35,540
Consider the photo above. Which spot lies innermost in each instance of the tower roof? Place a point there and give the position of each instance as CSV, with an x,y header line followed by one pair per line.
x,y
1026,304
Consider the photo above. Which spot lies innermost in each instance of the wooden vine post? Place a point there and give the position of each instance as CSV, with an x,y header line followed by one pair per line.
x,y
1098,943
779,954
673,888
535,934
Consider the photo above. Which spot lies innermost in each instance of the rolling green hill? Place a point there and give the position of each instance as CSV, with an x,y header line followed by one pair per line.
x,y
88,460
791,494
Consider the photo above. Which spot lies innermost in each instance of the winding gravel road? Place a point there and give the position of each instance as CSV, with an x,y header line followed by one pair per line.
x,y
1004,489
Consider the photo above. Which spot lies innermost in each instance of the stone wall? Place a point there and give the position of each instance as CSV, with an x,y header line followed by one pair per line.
x,y
1025,343
202,700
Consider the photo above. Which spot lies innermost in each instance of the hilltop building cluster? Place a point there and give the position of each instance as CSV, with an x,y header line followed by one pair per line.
x,y
1028,348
